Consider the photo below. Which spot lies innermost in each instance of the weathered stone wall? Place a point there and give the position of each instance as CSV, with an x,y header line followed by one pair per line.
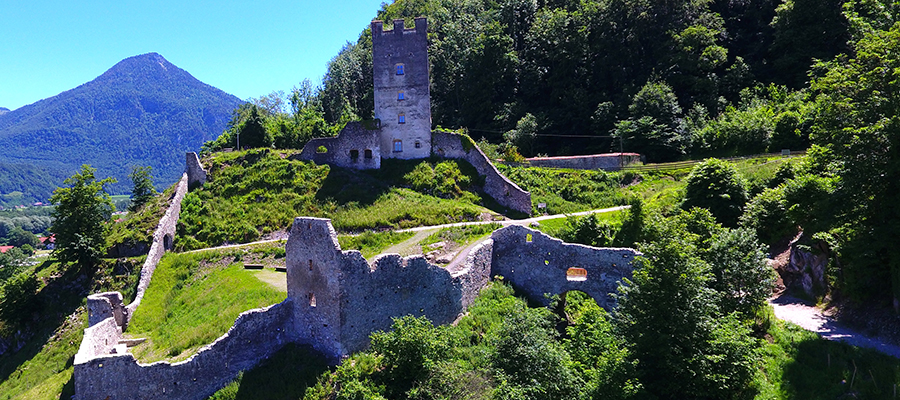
x,y
163,238
355,147
392,49
105,305
504,191
542,265
99,340
607,162
255,336
195,172
339,299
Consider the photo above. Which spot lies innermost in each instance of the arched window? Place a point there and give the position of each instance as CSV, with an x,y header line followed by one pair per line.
x,y
398,145
400,70
354,155
401,118
368,153
401,96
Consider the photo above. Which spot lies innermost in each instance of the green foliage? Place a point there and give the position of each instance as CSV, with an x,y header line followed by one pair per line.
x,y
81,217
192,301
587,230
410,352
443,180
524,135
766,214
17,298
142,187
531,361
655,127
567,191
284,375
253,133
715,185
681,343
138,226
740,274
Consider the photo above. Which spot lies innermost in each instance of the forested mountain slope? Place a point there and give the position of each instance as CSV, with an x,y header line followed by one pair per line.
x,y
142,111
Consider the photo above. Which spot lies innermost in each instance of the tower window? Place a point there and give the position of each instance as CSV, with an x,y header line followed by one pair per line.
x,y
401,96
398,145
354,154
401,118
418,144
368,153
400,69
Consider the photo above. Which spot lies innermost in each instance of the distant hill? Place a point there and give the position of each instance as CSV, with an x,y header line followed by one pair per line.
x,y
142,111
3,110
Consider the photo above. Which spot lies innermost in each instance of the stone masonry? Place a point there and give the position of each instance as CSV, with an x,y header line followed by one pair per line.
x,y
402,89
357,146
335,300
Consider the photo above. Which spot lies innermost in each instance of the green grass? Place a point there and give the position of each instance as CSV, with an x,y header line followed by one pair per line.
x,y
569,190
372,243
461,235
138,227
192,300
798,364
253,193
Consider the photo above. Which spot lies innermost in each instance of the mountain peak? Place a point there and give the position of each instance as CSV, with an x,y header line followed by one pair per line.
x,y
150,66
3,110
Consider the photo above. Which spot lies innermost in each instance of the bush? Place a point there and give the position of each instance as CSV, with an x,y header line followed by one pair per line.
x,y
411,350
766,214
716,186
18,295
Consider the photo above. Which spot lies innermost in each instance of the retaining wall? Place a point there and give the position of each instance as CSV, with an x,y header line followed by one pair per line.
x,y
536,264
256,335
607,162
504,191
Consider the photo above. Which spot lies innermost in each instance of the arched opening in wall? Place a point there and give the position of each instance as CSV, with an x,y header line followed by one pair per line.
x,y
529,238
368,154
321,149
310,265
576,274
167,242
354,155
312,299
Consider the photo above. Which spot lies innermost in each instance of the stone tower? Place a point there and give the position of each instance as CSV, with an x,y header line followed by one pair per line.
x,y
402,95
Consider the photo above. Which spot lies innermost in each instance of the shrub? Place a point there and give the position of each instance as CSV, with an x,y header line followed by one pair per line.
x,y
766,214
716,186
18,295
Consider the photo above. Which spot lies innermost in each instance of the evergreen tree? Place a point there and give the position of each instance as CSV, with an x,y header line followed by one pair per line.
x,y
142,187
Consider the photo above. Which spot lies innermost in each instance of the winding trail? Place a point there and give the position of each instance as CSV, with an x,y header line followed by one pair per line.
x,y
812,319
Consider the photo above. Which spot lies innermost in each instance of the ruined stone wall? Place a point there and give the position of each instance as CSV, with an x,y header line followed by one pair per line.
x,y
535,264
195,172
256,335
400,66
355,147
163,238
504,191
606,162
339,299
105,305
99,340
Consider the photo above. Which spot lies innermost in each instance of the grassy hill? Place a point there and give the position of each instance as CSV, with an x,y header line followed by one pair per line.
x,y
142,111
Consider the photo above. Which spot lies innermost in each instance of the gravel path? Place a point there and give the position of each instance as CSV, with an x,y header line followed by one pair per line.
x,y
811,318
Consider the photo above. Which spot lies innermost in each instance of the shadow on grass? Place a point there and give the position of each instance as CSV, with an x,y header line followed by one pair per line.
x,y
823,369
285,375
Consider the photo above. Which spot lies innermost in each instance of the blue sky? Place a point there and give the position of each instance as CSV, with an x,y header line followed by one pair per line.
x,y
247,48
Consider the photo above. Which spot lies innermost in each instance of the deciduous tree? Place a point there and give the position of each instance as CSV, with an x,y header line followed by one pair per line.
x,y
83,209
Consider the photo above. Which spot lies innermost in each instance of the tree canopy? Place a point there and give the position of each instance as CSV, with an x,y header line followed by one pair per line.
x,y
83,210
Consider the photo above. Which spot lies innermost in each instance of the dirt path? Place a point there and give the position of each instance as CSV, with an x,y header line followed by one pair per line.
x,y
410,246
811,318
523,222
